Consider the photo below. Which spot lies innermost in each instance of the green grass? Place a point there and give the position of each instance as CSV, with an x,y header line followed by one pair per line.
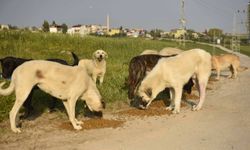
x,y
245,49
44,45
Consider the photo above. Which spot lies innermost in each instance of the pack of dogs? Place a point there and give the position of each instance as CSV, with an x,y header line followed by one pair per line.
x,y
171,70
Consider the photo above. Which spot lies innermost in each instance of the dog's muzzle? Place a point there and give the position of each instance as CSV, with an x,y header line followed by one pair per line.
x,y
142,104
100,58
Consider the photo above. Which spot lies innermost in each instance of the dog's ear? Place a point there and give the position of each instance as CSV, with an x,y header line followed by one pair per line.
x,y
106,54
148,92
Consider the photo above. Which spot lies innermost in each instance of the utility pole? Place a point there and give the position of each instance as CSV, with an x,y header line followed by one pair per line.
x,y
235,42
107,23
213,42
182,24
248,21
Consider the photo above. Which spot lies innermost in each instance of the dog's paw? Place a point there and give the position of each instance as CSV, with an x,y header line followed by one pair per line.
x,y
79,122
176,111
170,108
196,108
16,130
142,107
78,127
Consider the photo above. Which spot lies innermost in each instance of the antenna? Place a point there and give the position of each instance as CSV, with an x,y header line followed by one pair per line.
x,y
107,23
248,20
235,42
182,23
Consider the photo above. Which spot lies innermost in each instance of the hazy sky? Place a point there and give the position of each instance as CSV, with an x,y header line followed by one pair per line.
x,y
147,14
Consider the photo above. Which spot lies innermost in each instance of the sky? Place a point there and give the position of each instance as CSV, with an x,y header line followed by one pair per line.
x,y
143,14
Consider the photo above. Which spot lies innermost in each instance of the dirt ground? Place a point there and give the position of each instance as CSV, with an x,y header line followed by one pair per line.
x,y
222,124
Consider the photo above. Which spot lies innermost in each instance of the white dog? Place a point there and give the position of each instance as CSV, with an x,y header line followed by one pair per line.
x,y
63,82
170,51
174,72
149,51
96,67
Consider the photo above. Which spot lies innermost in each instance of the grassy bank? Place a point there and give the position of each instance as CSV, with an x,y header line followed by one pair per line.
x,y
43,45
245,49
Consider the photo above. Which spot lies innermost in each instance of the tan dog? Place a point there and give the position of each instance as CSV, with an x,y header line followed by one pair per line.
x,y
96,67
149,52
173,73
170,51
63,82
225,61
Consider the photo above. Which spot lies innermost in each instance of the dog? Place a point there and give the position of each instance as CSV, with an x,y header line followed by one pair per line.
x,y
149,51
140,66
173,73
63,82
224,61
96,67
170,51
9,64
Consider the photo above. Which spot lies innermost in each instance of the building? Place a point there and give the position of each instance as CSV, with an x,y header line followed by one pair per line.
x,y
4,27
86,29
178,33
112,32
55,29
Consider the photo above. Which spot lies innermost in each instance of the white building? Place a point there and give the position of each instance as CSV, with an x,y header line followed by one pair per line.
x,y
78,29
55,29
3,26
85,29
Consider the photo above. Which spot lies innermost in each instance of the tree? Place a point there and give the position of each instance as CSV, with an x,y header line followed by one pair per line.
x,y
45,26
12,27
64,28
53,23
156,33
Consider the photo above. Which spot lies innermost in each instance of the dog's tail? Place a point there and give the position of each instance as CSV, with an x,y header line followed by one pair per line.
x,y
242,68
76,59
8,90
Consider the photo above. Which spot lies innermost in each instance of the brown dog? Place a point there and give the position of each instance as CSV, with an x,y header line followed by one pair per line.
x,y
224,61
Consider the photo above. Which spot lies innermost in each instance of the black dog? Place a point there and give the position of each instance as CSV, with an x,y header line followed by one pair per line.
x,y
138,68
9,64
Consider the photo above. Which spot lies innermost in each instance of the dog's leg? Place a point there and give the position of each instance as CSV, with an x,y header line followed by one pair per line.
x,y
172,96
218,74
29,109
101,79
177,99
94,77
65,103
231,68
21,95
235,72
202,93
71,113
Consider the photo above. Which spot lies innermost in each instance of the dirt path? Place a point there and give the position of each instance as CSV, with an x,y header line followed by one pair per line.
x,y
222,124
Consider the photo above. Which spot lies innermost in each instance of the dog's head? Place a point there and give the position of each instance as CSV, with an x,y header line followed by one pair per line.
x,y
9,64
145,95
95,104
100,55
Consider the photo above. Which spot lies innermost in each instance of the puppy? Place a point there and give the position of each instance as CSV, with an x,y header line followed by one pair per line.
x,y
173,73
63,82
9,64
96,67
140,66
170,51
149,51
225,61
